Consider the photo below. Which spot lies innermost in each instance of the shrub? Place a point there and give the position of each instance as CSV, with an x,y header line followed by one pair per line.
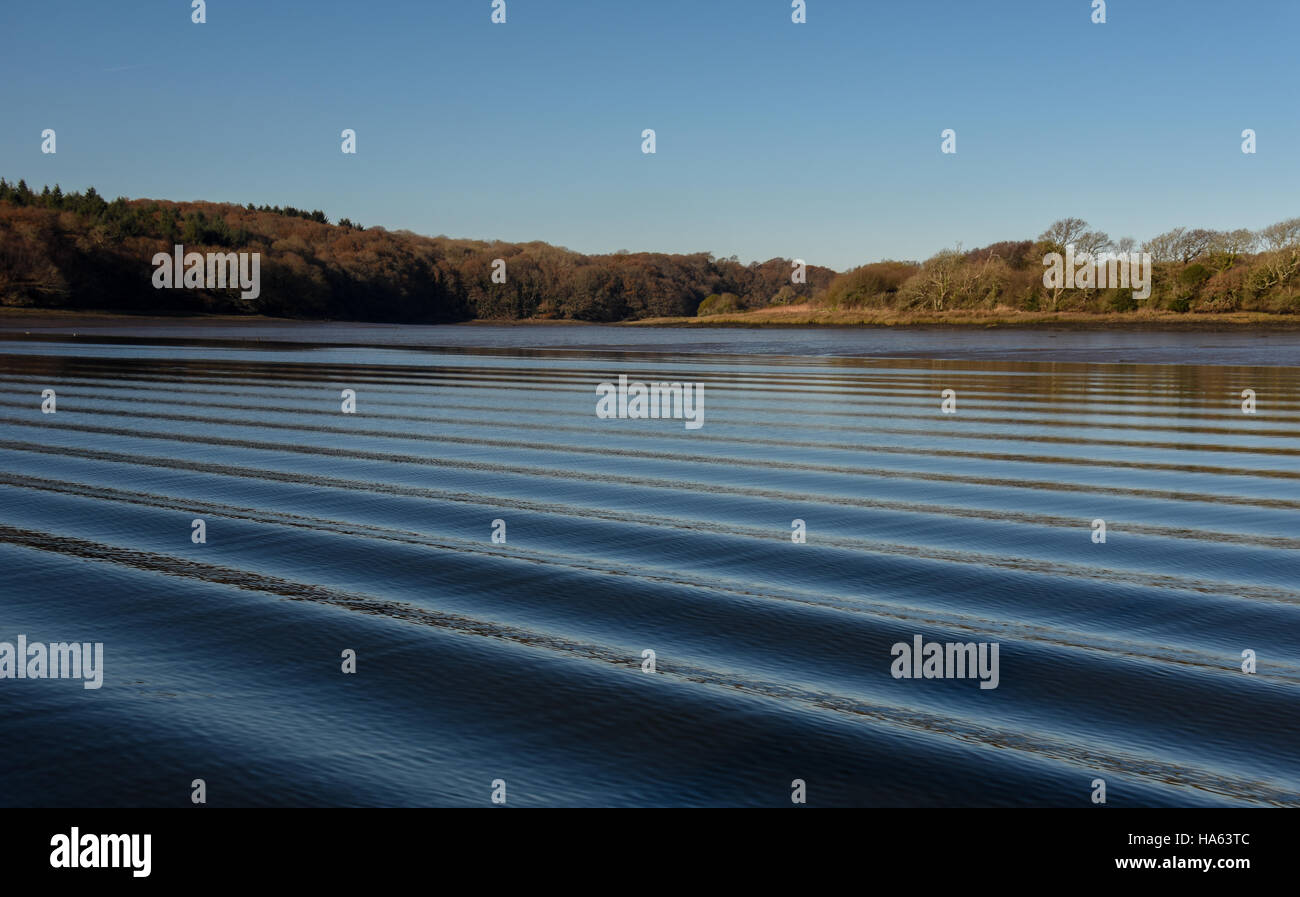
x,y
1122,300
870,285
719,305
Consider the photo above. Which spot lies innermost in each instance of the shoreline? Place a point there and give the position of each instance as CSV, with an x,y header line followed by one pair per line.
x,y
1059,339
764,319
875,319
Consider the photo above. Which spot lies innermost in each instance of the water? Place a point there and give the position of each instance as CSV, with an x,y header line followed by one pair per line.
x,y
523,661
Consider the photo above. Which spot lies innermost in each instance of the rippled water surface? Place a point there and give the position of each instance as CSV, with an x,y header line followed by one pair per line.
x,y
523,661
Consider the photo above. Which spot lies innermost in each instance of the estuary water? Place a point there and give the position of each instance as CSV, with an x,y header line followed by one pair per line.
x,y
497,561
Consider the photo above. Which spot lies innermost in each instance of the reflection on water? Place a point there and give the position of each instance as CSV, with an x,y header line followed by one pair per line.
x,y
1276,344
523,660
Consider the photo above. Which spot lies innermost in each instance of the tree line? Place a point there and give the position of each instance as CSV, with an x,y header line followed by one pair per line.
x,y
78,250
1195,270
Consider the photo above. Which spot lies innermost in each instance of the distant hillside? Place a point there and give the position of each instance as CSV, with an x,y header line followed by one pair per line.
x,y
76,250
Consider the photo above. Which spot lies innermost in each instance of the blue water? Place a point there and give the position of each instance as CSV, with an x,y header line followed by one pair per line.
x,y
523,661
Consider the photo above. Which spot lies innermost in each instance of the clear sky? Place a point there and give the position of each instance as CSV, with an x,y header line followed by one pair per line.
x,y
819,141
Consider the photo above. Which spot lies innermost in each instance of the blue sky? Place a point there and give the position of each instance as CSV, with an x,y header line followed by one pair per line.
x,y
818,141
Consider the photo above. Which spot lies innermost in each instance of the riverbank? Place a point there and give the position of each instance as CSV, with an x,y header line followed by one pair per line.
x,y
810,316
795,316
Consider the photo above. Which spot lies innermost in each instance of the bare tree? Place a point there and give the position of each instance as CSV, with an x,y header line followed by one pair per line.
x,y
1074,232
1226,246
1193,244
940,272
1164,247
1281,235
1065,231
1092,243
1278,268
